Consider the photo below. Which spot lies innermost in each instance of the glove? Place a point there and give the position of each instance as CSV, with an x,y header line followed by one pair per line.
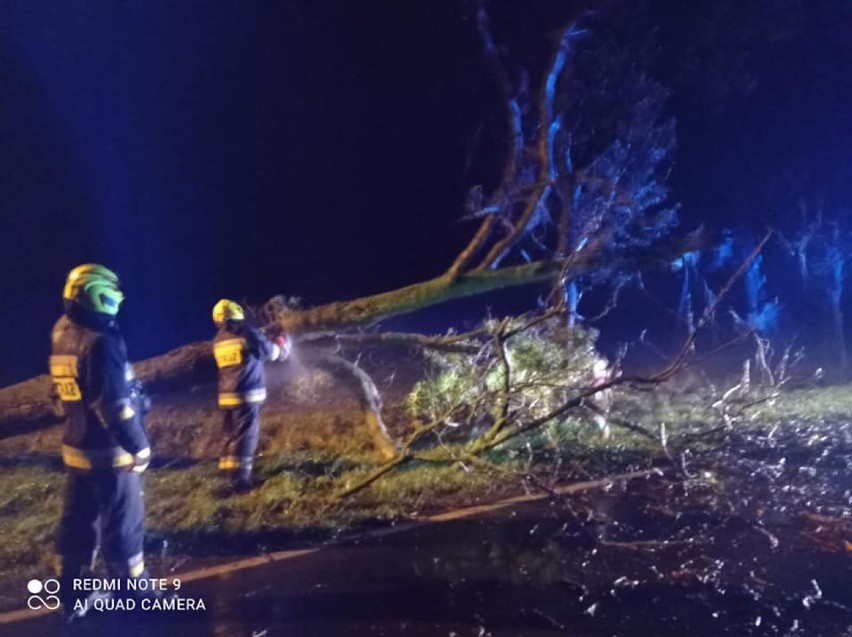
x,y
141,460
285,346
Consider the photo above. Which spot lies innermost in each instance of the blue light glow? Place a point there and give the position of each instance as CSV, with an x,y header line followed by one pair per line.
x,y
763,315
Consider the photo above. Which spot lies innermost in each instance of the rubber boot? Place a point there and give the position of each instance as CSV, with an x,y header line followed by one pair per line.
x,y
75,605
242,477
142,592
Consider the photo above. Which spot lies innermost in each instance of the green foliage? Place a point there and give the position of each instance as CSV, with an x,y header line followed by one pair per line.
x,y
547,364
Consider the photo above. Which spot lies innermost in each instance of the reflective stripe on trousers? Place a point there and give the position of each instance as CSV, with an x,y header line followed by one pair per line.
x,y
228,463
103,508
136,565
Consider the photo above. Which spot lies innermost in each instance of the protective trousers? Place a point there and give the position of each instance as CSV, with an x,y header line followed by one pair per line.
x,y
242,429
103,509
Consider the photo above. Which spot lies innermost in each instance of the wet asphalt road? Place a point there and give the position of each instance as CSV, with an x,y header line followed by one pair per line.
x,y
432,580
527,571
464,577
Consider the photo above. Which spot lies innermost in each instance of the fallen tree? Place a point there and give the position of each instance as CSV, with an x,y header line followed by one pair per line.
x,y
528,374
582,199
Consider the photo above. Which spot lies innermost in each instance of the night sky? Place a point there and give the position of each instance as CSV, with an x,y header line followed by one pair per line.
x,y
324,149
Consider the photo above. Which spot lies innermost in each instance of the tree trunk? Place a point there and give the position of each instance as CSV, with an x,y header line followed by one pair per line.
x,y
27,405
370,309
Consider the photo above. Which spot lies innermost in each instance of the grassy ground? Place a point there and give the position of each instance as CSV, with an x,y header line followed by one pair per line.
x,y
30,504
190,513
309,456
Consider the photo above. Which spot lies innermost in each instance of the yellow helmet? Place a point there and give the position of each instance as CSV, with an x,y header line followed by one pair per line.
x,y
95,287
226,310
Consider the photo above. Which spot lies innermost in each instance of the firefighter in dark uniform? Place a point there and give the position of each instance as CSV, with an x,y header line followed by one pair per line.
x,y
240,351
104,446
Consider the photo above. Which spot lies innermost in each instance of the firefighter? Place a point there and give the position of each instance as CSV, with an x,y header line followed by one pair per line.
x,y
104,446
240,351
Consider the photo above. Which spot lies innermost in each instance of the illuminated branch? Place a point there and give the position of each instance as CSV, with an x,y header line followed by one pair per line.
x,y
449,343
475,243
515,126
501,405
542,155
502,247
403,456
709,312
366,390
510,94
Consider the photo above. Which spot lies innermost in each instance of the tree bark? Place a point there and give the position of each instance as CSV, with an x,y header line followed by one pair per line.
x,y
27,406
370,309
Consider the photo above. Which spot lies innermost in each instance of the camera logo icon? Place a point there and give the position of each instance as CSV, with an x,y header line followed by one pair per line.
x,y
43,594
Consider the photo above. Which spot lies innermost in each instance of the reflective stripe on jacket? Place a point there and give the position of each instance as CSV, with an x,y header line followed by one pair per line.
x,y
88,459
88,366
250,397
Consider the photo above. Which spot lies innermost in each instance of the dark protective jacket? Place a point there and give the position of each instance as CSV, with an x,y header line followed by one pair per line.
x,y
240,351
91,374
